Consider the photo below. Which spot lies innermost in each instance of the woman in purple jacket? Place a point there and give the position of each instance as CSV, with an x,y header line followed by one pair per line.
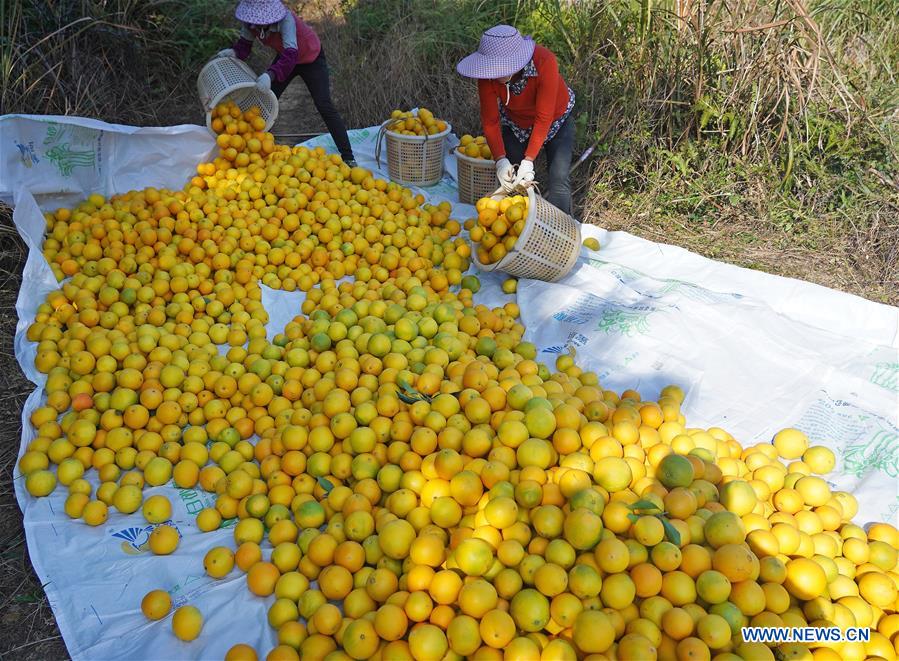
x,y
299,53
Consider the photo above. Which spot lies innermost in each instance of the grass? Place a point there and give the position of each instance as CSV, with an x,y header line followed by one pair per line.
x,y
127,61
764,134
27,626
840,233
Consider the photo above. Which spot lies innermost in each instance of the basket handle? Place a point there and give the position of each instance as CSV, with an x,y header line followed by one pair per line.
x,y
521,189
382,131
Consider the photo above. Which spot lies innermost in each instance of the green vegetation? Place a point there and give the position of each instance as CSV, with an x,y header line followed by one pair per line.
x,y
762,133
124,61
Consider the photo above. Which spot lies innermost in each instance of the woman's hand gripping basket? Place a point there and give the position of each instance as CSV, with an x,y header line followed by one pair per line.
x,y
546,247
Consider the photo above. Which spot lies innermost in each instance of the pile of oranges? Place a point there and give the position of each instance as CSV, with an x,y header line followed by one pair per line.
x,y
411,123
409,481
497,227
474,147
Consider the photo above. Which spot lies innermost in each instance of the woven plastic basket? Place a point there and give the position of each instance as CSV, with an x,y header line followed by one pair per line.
x,y
413,160
548,247
229,79
476,177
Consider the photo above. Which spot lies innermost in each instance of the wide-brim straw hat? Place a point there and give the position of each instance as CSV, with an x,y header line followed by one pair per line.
x,y
260,12
502,52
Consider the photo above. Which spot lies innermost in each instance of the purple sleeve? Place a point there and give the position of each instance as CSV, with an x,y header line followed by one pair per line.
x,y
242,48
281,67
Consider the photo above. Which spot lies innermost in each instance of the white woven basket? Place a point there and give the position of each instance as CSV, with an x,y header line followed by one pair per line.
x,y
548,247
413,160
476,177
229,79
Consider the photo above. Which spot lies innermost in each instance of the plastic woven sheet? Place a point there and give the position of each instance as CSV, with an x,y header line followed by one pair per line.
x,y
754,353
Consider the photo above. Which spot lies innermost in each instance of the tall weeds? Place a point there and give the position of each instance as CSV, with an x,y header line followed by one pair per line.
x,y
777,116
130,61
745,72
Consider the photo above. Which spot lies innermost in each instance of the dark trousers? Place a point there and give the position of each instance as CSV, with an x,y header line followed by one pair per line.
x,y
558,156
315,75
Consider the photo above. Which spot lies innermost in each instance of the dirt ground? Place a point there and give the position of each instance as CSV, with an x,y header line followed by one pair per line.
x,y
27,627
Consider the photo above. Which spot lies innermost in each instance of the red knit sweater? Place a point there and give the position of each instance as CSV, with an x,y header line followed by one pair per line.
x,y
543,100
294,41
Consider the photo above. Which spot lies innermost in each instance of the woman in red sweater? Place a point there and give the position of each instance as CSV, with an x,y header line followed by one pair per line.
x,y
299,53
525,106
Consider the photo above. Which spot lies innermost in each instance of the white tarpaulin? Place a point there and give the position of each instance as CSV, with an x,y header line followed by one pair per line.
x,y
754,352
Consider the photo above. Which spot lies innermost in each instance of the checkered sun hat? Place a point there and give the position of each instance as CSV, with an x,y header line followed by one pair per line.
x,y
260,12
502,51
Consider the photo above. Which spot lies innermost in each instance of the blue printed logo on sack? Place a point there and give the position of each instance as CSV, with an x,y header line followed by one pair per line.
x,y
575,340
582,310
136,538
29,156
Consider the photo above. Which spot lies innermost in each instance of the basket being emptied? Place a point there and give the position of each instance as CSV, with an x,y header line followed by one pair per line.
x,y
547,248
229,79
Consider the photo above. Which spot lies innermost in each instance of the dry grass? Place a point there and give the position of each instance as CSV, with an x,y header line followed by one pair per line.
x,y
864,264
852,247
372,75
125,61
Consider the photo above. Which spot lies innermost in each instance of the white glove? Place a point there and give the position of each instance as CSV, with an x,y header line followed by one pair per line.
x,y
524,175
227,52
264,82
505,174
